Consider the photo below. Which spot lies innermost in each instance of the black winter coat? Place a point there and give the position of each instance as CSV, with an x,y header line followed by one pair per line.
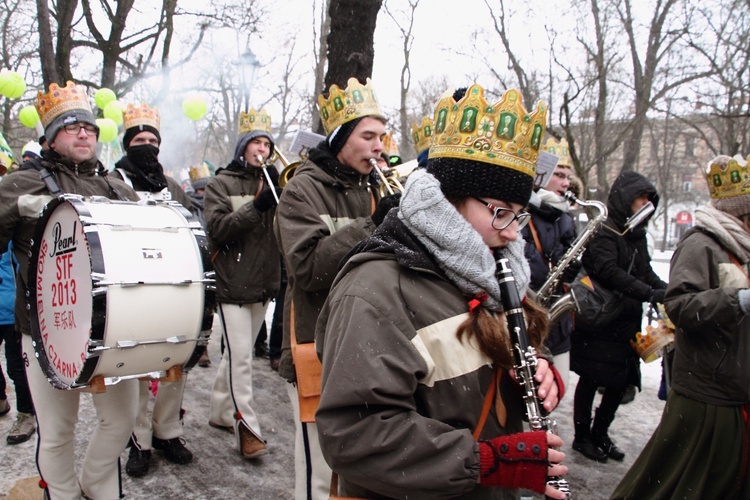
x,y
605,354
556,233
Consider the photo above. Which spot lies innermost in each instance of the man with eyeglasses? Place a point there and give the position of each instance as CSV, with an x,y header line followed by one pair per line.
x,y
549,234
70,166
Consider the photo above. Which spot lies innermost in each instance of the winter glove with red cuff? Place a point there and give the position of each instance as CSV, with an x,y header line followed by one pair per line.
x,y
515,461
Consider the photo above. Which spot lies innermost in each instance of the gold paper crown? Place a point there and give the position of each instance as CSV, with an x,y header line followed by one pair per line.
x,y
390,146
503,134
59,100
345,105
255,120
140,114
649,345
421,134
727,177
199,172
559,149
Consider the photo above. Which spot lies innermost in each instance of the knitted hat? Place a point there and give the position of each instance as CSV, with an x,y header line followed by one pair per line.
x,y
137,119
338,137
63,106
200,183
486,150
729,185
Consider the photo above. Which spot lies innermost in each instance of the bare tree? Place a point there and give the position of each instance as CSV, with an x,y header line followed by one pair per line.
x,y
321,40
351,40
407,38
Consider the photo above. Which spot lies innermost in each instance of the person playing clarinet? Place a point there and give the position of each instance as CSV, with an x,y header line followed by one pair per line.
x,y
419,393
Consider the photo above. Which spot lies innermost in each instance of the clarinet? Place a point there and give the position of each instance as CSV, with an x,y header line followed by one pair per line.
x,y
525,361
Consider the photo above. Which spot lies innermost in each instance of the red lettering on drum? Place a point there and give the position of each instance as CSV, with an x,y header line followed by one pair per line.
x,y
65,320
40,306
63,368
64,265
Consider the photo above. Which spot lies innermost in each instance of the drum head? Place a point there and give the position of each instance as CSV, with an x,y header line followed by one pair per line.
x,y
60,300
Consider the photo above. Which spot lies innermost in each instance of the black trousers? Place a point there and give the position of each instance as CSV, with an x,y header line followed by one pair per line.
x,y
583,402
16,368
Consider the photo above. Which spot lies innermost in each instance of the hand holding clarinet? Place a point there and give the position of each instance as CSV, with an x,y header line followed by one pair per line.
x,y
537,383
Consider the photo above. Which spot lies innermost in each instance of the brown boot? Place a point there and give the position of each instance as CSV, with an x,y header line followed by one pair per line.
x,y
250,444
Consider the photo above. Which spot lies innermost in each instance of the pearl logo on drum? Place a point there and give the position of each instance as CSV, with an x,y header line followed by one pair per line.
x,y
63,244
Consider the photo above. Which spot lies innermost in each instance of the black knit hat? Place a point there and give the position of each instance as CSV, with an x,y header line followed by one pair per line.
x,y
131,132
340,135
460,178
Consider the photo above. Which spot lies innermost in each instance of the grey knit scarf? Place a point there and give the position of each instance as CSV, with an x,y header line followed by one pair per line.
x,y
456,246
727,228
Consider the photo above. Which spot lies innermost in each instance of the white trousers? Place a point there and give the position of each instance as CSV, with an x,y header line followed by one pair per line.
x,y
57,415
312,475
164,422
232,392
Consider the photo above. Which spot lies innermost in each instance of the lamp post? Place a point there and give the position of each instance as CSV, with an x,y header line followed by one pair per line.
x,y
248,70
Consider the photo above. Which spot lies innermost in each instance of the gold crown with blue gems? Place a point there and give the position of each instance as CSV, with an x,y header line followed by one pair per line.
x,y
503,134
343,106
421,134
254,120
140,114
727,177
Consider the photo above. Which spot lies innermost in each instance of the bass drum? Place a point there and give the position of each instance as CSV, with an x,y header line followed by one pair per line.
x,y
121,290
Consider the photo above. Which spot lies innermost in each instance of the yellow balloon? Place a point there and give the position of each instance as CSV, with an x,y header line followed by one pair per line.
x,y
28,116
113,111
194,107
107,129
104,96
12,85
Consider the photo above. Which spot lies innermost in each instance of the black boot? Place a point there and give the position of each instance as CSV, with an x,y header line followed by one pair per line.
x,y
582,442
139,461
600,436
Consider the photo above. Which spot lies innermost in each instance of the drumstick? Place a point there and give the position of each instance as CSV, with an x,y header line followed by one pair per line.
x,y
374,163
268,178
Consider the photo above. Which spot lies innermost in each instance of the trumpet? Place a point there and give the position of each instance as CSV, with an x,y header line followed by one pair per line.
x,y
388,179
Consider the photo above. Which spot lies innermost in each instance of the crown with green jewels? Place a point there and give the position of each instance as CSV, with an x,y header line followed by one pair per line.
x,y
254,120
343,106
503,134
421,134
728,177
559,149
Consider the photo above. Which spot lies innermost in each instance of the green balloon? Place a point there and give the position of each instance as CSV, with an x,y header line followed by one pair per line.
x,y
104,96
107,129
194,107
12,85
113,111
28,116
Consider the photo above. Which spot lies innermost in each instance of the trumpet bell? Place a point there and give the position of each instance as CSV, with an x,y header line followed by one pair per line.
x,y
287,173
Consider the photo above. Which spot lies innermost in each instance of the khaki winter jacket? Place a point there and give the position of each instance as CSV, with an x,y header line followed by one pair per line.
x,y
322,214
401,393
23,196
712,341
242,244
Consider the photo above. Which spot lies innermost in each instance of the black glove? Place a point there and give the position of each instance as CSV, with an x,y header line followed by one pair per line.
x,y
657,296
570,272
386,203
265,199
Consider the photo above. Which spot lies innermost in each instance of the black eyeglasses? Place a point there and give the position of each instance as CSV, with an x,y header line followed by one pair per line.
x,y
561,175
75,128
504,217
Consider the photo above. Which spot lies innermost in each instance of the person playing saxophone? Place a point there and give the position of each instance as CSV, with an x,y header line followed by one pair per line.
x,y
418,395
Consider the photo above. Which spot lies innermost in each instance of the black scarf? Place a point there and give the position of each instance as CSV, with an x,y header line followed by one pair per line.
x,y
142,163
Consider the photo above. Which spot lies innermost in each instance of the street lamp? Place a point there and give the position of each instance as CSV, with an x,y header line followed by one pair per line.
x,y
248,69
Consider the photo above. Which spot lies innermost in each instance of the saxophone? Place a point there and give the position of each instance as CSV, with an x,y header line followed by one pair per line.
x,y
567,302
525,358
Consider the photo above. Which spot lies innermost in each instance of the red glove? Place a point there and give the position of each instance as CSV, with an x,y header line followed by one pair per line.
x,y
515,461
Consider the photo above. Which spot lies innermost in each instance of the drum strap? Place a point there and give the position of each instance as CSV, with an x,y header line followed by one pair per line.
x,y
49,181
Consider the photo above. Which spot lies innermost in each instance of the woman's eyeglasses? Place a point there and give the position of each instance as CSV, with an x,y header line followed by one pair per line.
x,y
504,217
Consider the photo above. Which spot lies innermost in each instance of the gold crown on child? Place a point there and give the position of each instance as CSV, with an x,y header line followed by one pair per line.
x,y
140,114
728,177
421,134
343,106
559,149
59,100
503,134
254,120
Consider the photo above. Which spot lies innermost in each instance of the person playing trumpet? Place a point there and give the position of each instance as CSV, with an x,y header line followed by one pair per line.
x,y
239,211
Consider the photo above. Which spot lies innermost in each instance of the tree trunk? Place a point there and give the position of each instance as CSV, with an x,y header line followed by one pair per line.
x,y
351,40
